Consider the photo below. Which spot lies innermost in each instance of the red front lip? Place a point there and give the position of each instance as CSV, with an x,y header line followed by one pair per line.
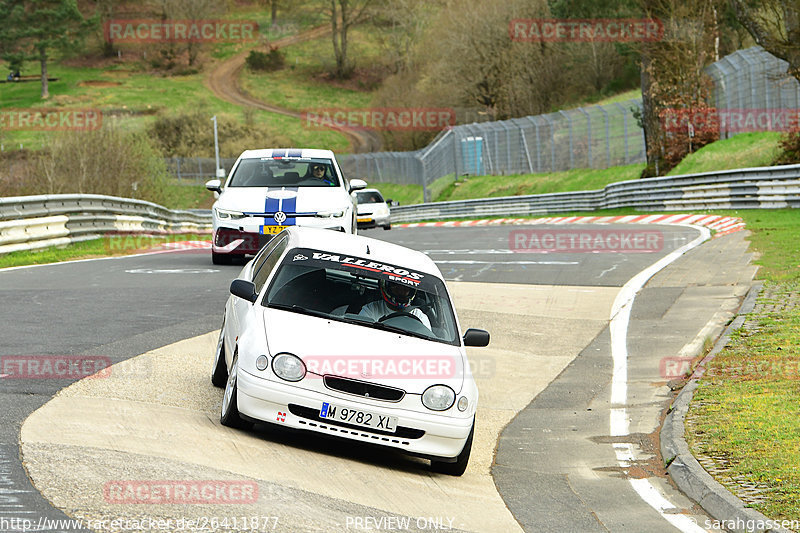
x,y
250,243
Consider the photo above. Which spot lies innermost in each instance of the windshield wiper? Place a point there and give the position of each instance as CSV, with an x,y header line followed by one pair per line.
x,y
297,309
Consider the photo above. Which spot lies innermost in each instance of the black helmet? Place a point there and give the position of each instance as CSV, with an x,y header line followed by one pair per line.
x,y
397,295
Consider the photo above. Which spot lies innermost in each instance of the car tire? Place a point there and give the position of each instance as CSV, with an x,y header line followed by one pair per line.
x,y
221,259
229,415
387,227
460,466
219,375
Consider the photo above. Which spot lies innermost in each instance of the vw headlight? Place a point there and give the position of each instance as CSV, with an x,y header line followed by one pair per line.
x,y
289,367
225,214
438,397
330,214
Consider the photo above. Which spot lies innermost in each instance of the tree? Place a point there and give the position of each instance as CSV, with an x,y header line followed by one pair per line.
x,y
344,14
31,30
774,25
673,80
191,10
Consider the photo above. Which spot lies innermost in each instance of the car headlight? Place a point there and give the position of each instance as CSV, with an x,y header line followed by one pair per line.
x,y
438,397
289,367
330,214
225,214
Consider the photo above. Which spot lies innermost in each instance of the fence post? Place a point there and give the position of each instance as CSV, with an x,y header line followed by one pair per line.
x,y
608,136
571,143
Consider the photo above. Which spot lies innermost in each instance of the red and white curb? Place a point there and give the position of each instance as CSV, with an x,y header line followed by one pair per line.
x,y
722,225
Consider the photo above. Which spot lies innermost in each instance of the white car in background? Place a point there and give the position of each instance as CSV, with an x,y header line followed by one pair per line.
x,y
373,210
349,337
269,190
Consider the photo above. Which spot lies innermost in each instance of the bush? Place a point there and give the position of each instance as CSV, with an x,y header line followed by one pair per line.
x,y
270,61
790,149
107,161
192,135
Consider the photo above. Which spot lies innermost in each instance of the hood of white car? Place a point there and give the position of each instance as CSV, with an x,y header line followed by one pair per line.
x,y
364,353
373,209
287,199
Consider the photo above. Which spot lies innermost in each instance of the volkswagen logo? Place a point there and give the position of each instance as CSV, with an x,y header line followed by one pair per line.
x,y
280,217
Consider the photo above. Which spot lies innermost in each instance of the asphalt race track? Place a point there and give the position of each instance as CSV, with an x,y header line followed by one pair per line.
x,y
550,453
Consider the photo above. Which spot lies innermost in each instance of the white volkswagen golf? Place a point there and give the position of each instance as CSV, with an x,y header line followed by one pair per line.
x,y
350,337
269,190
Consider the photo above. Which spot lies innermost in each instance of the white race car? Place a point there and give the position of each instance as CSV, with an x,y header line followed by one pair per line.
x,y
268,190
350,337
373,210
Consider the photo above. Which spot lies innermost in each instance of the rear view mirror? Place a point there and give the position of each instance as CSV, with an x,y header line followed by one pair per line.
x,y
244,289
357,184
476,337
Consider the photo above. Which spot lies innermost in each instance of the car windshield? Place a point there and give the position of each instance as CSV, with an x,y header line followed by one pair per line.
x,y
364,292
369,197
269,172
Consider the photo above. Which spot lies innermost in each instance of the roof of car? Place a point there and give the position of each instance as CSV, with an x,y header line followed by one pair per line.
x,y
288,153
355,245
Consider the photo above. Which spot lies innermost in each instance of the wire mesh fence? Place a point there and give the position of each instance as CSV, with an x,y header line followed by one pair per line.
x,y
587,137
754,80
196,170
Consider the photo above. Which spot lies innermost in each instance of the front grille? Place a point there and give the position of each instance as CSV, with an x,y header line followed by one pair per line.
x,y
313,414
365,389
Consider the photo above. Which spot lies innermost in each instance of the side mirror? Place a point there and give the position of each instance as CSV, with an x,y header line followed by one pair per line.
x,y
214,185
476,337
244,289
357,184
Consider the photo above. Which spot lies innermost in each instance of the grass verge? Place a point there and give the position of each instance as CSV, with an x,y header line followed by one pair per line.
x,y
100,247
746,410
746,150
570,180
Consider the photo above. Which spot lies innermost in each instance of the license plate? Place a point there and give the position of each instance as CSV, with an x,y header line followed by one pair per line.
x,y
364,220
358,417
272,230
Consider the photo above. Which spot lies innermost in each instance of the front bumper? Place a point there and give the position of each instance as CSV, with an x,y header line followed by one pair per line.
x,y
418,433
372,221
252,240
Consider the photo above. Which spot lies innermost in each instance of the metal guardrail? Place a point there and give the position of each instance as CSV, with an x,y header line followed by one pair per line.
x,y
29,222
32,222
754,188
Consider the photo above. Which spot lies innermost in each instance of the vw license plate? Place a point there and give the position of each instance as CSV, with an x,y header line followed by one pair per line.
x,y
272,230
358,417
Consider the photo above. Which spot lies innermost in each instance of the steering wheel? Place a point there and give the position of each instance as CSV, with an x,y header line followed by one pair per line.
x,y
400,313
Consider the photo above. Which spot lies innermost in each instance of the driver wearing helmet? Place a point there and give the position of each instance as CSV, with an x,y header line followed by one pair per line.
x,y
395,297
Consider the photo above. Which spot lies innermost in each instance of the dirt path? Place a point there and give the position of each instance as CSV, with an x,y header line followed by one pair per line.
x,y
223,81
